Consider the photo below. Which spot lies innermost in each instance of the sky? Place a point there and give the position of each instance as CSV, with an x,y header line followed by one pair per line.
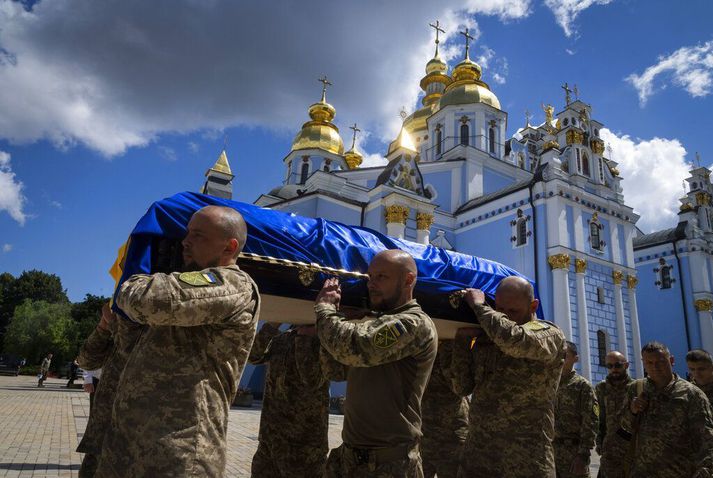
x,y
108,106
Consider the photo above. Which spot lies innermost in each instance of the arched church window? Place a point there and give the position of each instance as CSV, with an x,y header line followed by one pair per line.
x,y
565,121
594,236
585,165
464,134
602,347
304,172
491,139
521,232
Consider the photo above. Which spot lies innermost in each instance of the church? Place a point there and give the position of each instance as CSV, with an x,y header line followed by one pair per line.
x,y
547,202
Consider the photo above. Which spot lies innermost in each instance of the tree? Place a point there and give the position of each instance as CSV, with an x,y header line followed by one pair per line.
x,y
85,316
39,327
33,285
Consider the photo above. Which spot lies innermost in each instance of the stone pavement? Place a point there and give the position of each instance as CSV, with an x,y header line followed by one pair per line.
x,y
40,429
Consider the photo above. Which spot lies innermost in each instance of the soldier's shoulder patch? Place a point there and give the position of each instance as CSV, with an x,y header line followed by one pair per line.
x,y
198,279
388,335
595,408
536,325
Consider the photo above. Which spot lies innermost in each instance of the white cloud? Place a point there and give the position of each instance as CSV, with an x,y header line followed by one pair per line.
x,y
141,71
570,52
566,11
11,198
494,67
653,171
56,204
193,146
169,154
6,247
691,68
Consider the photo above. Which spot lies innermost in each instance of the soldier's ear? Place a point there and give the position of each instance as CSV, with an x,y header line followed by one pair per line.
x,y
232,248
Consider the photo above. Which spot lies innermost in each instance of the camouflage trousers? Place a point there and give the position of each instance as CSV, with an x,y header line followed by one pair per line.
x,y
613,456
441,459
504,455
565,453
89,466
343,462
288,461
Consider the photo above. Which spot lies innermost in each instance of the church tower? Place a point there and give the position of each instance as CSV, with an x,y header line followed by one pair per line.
x,y
219,179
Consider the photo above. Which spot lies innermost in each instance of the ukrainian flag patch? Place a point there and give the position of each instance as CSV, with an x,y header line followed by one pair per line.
x,y
198,279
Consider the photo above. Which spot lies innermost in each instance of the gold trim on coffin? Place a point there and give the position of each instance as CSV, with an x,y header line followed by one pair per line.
x,y
306,272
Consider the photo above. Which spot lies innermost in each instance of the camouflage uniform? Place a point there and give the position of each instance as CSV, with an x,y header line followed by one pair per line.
x,y
390,358
445,418
707,389
673,437
295,408
170,415
611,396
576,420
513,371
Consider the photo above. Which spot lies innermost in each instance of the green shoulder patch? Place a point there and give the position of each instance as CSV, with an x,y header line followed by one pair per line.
x,y
536,325
198,279
595,409
386,336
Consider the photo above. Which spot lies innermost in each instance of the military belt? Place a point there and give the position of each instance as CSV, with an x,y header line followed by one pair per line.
x,y
374,457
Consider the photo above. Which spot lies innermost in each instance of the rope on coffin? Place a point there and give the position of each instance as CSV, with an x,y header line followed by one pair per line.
x,y
308,272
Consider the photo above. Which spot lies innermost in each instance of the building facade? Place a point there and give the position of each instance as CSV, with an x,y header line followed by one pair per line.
x,y
547,202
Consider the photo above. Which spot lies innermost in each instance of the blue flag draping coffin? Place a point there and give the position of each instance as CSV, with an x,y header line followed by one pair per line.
x,y
290,256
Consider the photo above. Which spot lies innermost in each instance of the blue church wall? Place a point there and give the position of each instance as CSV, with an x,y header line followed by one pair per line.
x,y
604,234
493,181
335,212
375,219
661,311
600,316
573,310
544,276
441,182
303,208
693,325
634,354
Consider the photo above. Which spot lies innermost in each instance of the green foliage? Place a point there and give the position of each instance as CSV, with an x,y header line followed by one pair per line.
x,y
86,315
33,285
39,327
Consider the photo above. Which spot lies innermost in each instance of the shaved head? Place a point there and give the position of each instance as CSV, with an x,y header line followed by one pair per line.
x,y
615,355
229,221
617,366
392,278
215,237
518,285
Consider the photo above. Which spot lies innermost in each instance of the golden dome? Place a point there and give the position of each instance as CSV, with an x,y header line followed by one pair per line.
x,y
404,140
436,65
320,133
467,70
353,158
460,93
416,121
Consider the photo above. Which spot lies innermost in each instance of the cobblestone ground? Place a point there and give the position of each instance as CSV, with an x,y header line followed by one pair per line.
x,y
40,429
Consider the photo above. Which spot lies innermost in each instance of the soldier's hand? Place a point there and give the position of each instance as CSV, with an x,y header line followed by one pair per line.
x,y
88,387
579,466
331,292
474,297
107,317
639,404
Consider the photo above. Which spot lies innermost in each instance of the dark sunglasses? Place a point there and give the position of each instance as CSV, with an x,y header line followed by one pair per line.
x,y
615,365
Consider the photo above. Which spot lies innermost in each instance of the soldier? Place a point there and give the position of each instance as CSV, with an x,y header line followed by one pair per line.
x,y
669,421
390,358
445,418
700,367
295,407
576,419
171,409
611,395
44,370
512,368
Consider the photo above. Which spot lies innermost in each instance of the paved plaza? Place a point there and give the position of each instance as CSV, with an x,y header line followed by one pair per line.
x,y
40,429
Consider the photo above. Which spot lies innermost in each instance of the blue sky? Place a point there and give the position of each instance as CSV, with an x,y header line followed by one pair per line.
x,y
106,108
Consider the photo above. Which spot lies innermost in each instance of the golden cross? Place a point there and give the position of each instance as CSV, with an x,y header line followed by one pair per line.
x,y
467,37
567,91
438,29
324,82
356,130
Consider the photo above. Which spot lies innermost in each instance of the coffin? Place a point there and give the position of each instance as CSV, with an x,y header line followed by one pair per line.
x,y
290,257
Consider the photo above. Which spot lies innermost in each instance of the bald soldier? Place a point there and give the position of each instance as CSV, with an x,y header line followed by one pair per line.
x,y
512,366
611,395
390,355
170,415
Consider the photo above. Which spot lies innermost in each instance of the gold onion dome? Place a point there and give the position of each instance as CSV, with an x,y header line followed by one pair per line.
x,y
467,87
320,132
353,157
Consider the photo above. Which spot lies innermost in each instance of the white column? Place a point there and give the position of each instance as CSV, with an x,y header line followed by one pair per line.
x,y
580,267
578,228
705,320
557,223
614,242
424,221
620,322
635,331
560,293
629,234
474,179
396,216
